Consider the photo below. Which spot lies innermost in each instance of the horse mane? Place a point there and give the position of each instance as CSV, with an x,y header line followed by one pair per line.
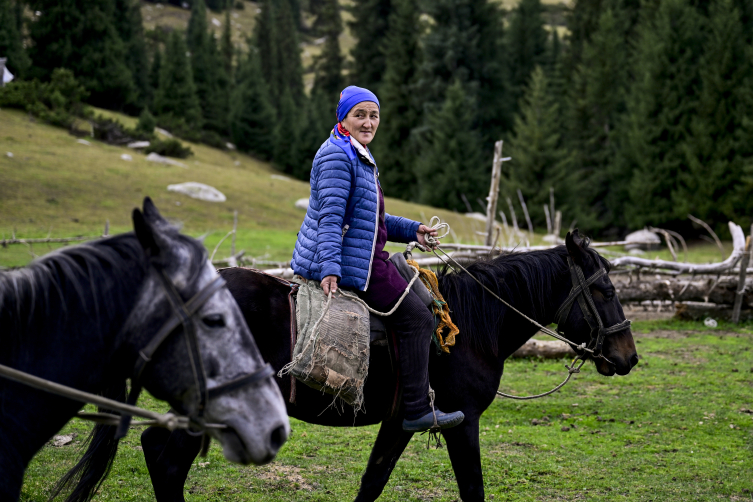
x,y
525,280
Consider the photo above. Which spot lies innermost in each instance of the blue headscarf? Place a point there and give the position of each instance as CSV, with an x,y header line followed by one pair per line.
x,y
350,97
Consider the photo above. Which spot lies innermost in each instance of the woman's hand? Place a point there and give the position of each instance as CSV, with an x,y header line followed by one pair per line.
x,y
421,234
329,283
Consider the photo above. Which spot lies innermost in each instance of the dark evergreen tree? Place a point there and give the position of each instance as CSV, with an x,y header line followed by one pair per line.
x,y
660,104
80,35
252,116
539,158
452,164
370,26
155,71
320,120
289,154
465,43
128,22
720,144
328,66
394,147
176,104
226,46
215,5
597,102
11,43
526,43
276,39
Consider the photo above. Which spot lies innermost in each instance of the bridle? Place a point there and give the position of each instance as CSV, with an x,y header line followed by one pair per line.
x,y
183,314
582,294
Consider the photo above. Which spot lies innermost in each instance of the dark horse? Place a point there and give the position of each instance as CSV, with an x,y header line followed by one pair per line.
x,y
80,316
536,283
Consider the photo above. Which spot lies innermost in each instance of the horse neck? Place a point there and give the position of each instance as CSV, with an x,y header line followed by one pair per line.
x,y
64,311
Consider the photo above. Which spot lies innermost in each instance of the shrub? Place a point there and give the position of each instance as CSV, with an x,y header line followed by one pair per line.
x,y
169,148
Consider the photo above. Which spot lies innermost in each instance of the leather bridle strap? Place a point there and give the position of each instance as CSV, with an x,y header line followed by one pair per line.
x,y
182,314
262,374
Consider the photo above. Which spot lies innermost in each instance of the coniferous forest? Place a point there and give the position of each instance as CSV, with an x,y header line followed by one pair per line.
x,y
635,112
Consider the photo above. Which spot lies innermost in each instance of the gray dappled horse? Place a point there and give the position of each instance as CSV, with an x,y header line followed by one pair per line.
x,y
82,315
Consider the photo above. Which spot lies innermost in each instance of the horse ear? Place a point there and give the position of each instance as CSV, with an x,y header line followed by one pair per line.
x,y
151,229
575,244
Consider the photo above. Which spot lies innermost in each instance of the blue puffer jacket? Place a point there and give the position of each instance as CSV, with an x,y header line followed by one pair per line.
x,y
339,231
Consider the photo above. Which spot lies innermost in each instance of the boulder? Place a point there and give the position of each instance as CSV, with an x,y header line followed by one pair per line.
x,y
138,144
159,159
648,240
302,204
198,191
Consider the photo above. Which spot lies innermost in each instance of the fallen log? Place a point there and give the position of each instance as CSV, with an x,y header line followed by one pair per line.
x,y
738,244
698,311
674,289
544,349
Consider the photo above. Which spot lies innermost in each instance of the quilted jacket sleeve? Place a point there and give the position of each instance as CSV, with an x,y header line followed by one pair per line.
x,y
400,229
333,180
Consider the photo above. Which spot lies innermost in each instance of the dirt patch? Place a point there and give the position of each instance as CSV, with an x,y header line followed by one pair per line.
x,y
650,314
288,474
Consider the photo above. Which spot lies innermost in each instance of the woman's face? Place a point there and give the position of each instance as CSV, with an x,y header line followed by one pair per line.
x,y
362,122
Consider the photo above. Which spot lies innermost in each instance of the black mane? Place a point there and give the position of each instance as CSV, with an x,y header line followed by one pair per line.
x,y
525,280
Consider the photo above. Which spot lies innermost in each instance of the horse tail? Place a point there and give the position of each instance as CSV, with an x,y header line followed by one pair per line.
x,y
94,467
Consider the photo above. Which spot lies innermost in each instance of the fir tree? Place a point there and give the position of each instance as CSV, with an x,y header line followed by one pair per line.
x,y
526,44
720,144
11,43
660,107
320,120
370,26
394,149
216,5
80,35
465,43
288,155
175,102
328,77
155,71
596,106
276,39
539,160
226,46
451,163
129,25
252,116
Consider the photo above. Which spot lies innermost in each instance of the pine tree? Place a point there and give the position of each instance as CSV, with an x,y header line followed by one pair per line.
x,y
226,46
276,39
155,71
328,75
252,116
288,154
660,107
216,5
451,163
129,25
596,105
320,120
216,111
370,26
539,159
11,43
720,144
526,44
394,149
176,104
80,35
466,43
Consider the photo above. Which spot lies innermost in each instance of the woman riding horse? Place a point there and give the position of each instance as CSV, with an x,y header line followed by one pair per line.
x,y
341,243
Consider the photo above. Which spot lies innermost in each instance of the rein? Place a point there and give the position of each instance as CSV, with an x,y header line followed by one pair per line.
x,y
182,315
579,292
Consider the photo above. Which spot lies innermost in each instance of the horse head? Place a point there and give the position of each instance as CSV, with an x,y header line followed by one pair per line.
x,y
602,327
208,365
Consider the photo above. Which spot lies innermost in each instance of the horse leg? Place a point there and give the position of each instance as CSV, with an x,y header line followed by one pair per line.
x,y
389,445
465,455
169,456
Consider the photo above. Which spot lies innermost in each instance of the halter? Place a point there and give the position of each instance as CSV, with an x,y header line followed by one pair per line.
x,y
183,314
582,294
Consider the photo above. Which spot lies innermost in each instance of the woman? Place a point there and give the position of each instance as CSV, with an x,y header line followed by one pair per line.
x,y
341,244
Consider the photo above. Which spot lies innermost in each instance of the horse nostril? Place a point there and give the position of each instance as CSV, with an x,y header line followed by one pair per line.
x,y
634,360
277,438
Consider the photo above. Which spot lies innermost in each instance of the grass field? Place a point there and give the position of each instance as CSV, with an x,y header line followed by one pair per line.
x,y
678,428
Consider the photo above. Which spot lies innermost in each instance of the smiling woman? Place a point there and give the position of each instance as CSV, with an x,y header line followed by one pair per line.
x,y
342,239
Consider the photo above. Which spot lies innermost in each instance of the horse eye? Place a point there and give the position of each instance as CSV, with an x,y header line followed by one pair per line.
x,y
609,295
214,321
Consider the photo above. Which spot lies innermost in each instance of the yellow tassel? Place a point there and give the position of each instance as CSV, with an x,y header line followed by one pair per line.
x,y
440,309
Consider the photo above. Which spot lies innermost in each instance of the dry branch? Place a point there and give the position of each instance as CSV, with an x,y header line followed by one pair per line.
x,y
738,243
491,208
544,349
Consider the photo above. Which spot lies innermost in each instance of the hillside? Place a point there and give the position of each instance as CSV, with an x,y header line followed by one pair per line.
x,y
53,185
